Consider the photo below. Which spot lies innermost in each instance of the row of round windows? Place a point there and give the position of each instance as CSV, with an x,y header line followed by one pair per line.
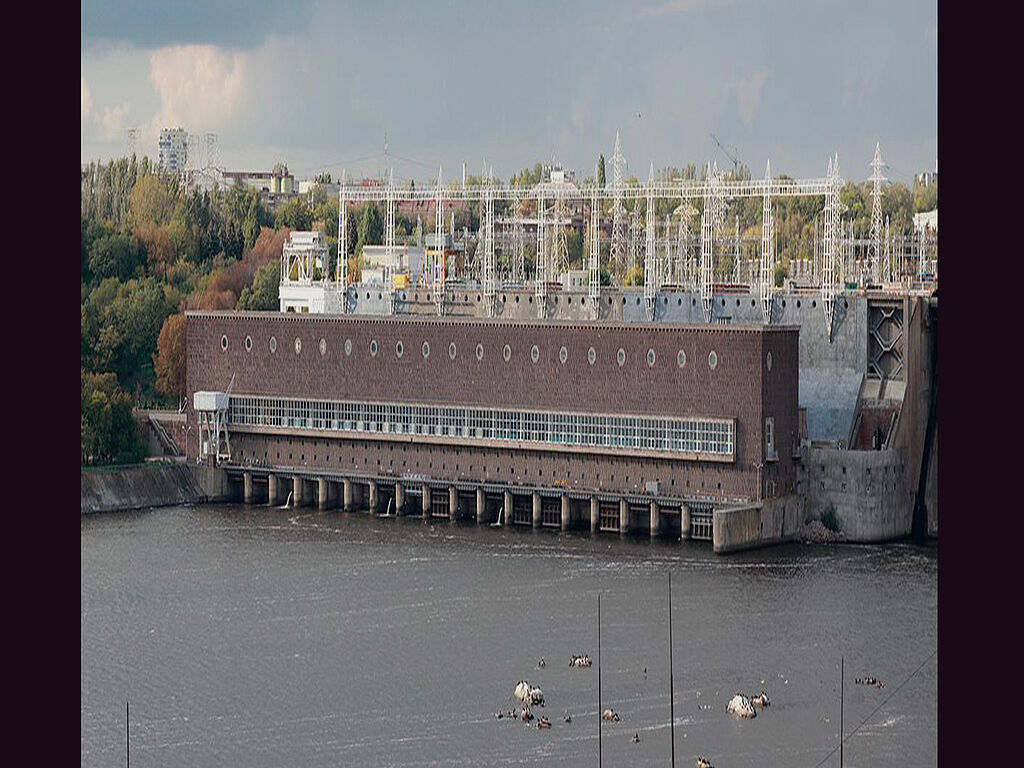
x,y
506,352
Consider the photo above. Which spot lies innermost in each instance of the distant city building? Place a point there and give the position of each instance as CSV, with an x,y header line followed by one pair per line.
x,y
927,178
173,150
272,185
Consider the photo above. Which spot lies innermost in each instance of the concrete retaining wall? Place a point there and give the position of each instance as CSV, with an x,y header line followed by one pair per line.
x,y
152,486
756,525
867,488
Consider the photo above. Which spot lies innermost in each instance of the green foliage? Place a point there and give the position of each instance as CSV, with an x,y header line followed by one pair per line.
x,y
370,227
294,215
115,255
263,293
829,519
109,433
600,171
926,198
781,273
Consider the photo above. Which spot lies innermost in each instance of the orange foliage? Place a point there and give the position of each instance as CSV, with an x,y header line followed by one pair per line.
x,y
226,285
169,360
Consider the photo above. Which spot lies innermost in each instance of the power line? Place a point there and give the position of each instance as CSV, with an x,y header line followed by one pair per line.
x,y
875,710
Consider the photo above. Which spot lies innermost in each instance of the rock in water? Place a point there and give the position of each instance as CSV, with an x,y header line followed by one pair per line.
x,y
740,706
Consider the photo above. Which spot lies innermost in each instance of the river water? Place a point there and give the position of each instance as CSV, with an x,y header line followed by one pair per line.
x,y
265,637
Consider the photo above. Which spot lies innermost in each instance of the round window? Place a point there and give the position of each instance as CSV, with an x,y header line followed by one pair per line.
x,y
563,355
621,357
650,357
681,358
506,352
712,359
224,342
298,345
479,351
768,361
273,344
426,349
399,349
452,350
323,347
248,343
373,348
535,353
348,346
591,356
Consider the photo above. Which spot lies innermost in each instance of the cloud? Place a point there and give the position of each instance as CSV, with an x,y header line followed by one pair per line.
x,y
199,86
86,100
113,123
672,7
748,94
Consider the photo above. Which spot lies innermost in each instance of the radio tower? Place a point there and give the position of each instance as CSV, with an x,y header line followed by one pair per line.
x,y
618,247
875,250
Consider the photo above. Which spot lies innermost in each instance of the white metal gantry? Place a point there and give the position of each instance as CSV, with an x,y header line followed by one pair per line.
x,y
618,244
541,268
487,266
389,245
650,271
438,265
874,248
830,245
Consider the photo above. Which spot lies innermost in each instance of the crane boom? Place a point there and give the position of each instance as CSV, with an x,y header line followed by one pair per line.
x,y
735,162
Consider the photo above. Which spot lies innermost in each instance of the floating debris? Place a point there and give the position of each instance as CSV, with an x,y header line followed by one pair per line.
x,y
610,715
761,700
566,718
636,737
582,660
870,681
543,723
740,706
703,762
528,694
541,664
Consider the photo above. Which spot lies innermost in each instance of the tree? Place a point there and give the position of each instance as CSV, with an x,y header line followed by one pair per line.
x,y
150,203
600,171
263,294
114,255
294,215
370,228
169,359
109,433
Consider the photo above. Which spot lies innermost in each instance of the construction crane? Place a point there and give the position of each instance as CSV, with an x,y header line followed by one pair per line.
x,y
735,162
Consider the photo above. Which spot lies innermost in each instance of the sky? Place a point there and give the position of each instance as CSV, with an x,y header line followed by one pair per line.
x,y
317,85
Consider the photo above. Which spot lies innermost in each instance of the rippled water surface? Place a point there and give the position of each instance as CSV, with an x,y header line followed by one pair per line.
x,y
258,637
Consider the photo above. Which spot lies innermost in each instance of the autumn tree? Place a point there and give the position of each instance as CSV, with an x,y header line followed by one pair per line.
x,y
169,360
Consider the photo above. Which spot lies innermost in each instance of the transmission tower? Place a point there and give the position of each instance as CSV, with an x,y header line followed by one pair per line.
x,y
714,210
488,259
618,246
541,267
831,244
341,268
875,251
634,241
595,254
437,267
389,245
518,244
650,273
559,261
767,282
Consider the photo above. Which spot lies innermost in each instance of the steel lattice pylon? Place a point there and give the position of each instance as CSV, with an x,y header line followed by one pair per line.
x,y
767,282
874,248
341,268
518,246
650,271
541,268
831,244
714,210
437,267
488,260
594,277
389,245
617,255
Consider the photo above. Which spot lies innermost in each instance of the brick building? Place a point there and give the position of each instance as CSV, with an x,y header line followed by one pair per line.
x,y
629,426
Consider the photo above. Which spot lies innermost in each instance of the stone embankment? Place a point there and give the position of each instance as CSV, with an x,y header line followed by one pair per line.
x,y
152,485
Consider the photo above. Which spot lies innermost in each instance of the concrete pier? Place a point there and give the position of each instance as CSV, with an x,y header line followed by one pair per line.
x,y
247,480
623,516
507,511
655,520
684,523
595,515
296,491
453,503
481,507
322,493
346,494
565,513
271,489
536,509
372,504
427,511
399,498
